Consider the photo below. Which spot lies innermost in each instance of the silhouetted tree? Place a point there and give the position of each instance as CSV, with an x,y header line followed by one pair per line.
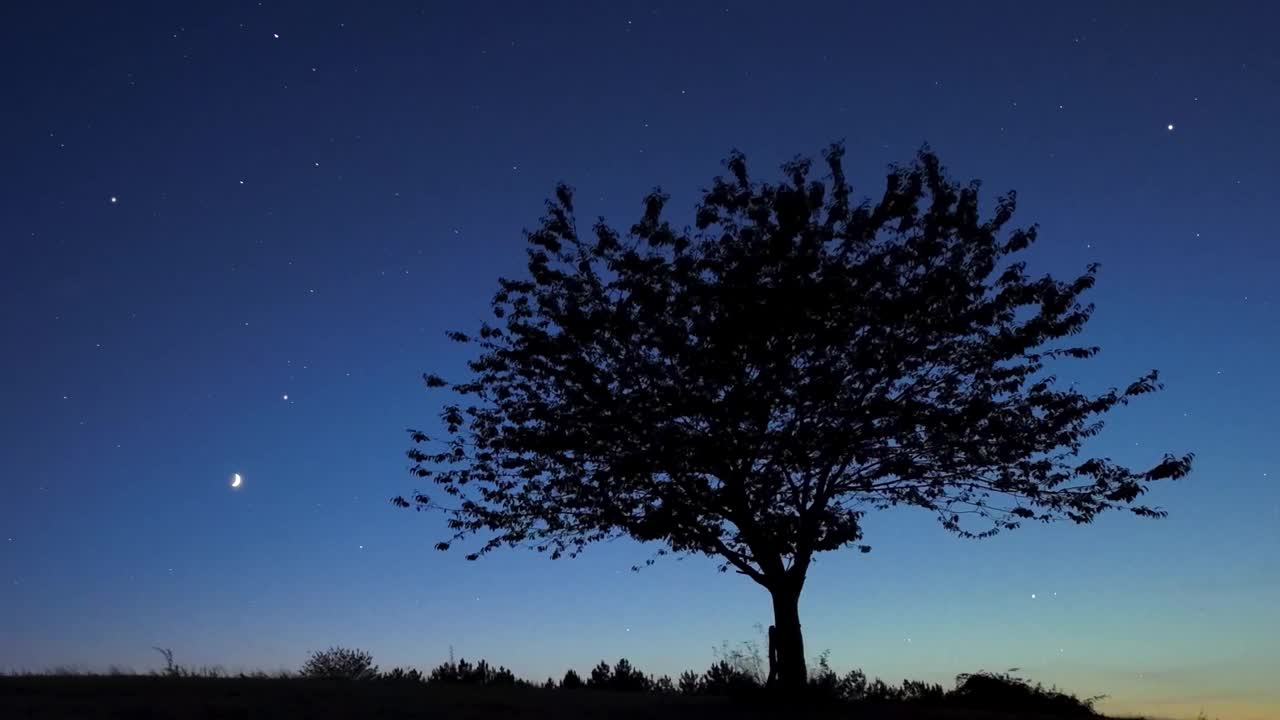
x,y
571,681
722,678
663,685
853,686
600,676
690,683
339,662
626,678
748,389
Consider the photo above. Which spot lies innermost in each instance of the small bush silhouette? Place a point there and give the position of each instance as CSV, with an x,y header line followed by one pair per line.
x,y
339,662
1009,693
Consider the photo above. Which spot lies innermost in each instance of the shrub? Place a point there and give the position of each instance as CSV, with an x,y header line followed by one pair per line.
x,y
339,662
1012,694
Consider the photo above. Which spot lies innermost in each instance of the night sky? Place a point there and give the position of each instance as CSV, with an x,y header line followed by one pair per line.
x,y
235,233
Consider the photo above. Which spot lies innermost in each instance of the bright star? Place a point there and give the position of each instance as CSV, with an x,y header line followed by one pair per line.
x,y
114,199
1169,127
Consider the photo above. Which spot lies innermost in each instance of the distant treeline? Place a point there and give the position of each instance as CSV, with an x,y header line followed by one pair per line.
x,y
735,674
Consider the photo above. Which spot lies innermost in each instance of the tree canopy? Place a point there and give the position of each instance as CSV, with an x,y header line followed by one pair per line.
x,y
750,387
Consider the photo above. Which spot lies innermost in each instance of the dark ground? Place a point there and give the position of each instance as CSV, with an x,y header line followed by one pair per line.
x,y
127,697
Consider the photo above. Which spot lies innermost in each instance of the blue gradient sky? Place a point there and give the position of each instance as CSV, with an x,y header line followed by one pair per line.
x,y
304,215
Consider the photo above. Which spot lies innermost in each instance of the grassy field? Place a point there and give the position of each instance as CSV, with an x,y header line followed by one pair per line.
x,y
147,697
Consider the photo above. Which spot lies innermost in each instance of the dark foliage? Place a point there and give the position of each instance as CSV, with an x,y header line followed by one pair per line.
x,y
464,673
922,692
1012,694
340,663
404,675
622,677
571,680
749,388
690,683
626,678
722,678
600,675
983,694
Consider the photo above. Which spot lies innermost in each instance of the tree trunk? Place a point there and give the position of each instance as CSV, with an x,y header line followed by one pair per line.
x,y
786,656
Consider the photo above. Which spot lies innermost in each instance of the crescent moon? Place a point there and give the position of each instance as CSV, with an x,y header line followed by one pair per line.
x,y
235,480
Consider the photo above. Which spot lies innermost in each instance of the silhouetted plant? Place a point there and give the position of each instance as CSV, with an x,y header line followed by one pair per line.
x,y
404,675
882,692
723,678
600,676
918,691
626,678
824,682
339,662
571,680
853,686
690,683
663,685
550,684
987,690
450,672
750,388
171,669
465,673
745,658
